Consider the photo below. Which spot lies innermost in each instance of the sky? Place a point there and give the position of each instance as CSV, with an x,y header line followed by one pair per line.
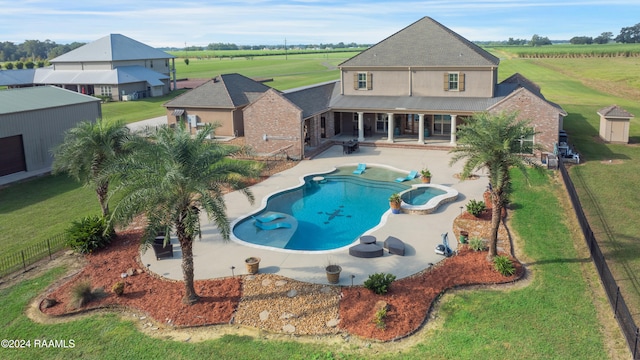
x,y
175,23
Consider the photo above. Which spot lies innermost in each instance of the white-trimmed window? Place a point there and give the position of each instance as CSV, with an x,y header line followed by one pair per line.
x,y
525,144
453,81
105,90
362,81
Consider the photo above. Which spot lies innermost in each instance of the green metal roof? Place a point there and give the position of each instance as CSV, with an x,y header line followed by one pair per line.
x,y
37,98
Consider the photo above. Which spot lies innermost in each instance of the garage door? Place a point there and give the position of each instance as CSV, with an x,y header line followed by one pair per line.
x,y
11,155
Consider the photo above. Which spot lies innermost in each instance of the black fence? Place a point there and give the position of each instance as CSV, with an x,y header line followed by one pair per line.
x,y
620,309
22,259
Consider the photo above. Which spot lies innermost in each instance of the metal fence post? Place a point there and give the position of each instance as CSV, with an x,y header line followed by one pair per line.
x,y
635,346
49,248
24,264
615,307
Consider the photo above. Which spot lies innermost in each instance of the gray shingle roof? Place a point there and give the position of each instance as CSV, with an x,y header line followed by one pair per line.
x,y
615,111
224,91
312,99
114,47
40,97
424,43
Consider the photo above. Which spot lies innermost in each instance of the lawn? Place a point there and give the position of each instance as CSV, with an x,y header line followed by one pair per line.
x,y
548,318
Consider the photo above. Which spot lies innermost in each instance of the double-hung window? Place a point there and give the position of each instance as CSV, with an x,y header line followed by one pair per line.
x,y
453,81
362,81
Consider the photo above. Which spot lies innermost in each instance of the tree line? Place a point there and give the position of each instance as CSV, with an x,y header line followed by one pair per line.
x,y
34,50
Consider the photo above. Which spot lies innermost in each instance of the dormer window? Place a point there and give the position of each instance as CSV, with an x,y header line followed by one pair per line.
x,y
453,81
362,81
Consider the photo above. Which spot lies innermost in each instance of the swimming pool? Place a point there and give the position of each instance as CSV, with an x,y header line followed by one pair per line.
x,y
324,215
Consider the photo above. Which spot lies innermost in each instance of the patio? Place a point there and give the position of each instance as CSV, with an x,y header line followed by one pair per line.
x,y
214,258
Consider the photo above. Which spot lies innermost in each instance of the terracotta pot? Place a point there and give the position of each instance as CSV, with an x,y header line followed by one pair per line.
x,y
426,180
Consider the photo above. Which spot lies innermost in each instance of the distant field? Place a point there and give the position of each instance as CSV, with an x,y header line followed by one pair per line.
x,y
569,51
256,53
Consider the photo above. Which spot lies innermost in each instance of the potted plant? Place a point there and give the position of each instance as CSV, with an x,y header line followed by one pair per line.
x,y
333,273
253,264
394,202
426,175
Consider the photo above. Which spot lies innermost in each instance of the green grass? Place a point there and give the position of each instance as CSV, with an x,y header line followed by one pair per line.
x,y
287,72
35,210
570,51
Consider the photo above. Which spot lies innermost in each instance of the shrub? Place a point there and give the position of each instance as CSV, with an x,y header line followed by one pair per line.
x,y
504,265
379,317
477,244
82,294
475,207
88,234
379,282
118,288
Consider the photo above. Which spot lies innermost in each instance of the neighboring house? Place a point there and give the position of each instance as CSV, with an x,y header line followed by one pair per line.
x,y
420,83
219,100
114,66
33,121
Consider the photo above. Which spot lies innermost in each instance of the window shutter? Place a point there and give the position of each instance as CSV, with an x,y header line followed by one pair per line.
x,y
446,82
461,82
355,81
369,81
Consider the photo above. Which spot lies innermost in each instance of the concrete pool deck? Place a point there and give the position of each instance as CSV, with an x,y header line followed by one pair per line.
x,y
214,257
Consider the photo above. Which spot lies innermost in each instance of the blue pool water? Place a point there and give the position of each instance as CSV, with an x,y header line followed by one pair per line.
x,y
329,214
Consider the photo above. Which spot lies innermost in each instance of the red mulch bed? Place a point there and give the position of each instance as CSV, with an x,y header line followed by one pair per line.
x,y
409,299
159,298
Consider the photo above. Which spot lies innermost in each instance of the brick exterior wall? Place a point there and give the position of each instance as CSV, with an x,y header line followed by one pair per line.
x,y
545,118
279,119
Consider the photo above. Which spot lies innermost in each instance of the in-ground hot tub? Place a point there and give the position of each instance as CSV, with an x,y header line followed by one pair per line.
x,y
425,198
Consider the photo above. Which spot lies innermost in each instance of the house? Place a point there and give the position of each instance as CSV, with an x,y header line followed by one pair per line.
x,y
418,85
32,122
114,66
218,101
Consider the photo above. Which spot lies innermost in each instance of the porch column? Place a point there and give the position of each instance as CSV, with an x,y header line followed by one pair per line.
x,y
360,126
390,127
420,128
453,129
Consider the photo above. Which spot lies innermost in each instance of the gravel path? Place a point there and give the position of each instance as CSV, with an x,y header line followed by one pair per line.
x,y
279,304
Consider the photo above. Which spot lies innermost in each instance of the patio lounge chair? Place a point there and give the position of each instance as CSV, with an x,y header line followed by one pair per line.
x,y
394,245
411,176
269,218
366,250
360,169
272,226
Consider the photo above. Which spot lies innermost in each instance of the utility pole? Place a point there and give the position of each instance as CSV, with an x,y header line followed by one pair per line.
x,y
285,48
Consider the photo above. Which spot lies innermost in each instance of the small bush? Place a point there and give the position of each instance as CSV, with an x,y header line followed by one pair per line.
x,y
88,234
477,244
379,282
476,207
504,265
379,317
118,288
82,294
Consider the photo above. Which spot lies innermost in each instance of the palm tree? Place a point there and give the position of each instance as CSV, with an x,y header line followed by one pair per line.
x,y
495,143
86,150
170,177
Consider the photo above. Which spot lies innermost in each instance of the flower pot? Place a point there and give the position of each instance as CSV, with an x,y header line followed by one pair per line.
x,y
426,180
395,207
333,273
464,236
253,264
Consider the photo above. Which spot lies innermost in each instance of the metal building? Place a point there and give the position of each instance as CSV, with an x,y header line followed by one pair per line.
x,y
32,122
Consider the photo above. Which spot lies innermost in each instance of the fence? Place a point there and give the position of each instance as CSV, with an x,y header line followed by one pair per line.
x,y
29,255
620,309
